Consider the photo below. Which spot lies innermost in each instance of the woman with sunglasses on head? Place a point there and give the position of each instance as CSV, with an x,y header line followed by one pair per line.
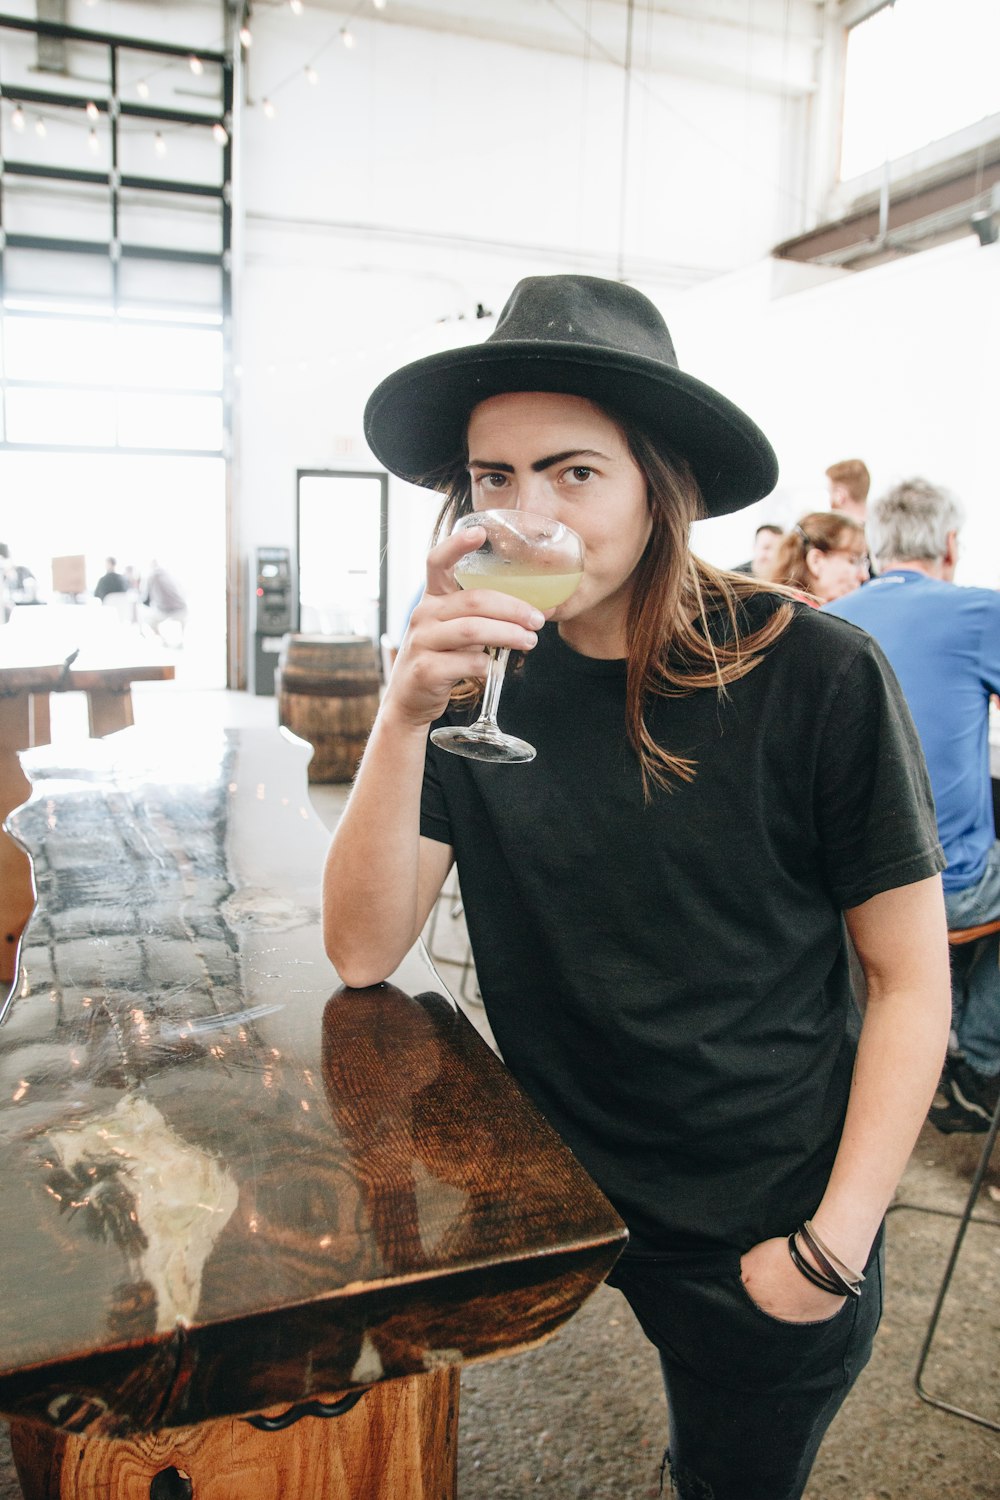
x,y
823,557
657,902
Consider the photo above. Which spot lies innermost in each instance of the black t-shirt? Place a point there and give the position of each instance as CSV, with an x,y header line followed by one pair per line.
x,y
669,982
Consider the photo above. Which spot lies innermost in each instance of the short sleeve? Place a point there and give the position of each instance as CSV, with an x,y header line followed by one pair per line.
x,y
874,805
434,820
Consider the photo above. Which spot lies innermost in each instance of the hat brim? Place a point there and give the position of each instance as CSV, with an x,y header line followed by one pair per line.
x,y
415,420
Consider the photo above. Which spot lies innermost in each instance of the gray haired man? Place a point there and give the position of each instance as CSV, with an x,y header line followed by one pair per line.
x,y
943,642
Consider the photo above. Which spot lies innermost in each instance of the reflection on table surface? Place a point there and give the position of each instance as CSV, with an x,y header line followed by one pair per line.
x,y
227,1180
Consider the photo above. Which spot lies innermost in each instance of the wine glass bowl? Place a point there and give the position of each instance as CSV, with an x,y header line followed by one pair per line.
x,y
530,557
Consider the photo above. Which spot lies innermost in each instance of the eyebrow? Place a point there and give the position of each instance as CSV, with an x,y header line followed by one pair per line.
x,y
541,464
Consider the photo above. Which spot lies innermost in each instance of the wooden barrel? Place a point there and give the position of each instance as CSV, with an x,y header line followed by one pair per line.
x,y
328,694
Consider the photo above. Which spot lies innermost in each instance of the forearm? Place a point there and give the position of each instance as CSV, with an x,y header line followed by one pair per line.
x,y
371,878
898,1064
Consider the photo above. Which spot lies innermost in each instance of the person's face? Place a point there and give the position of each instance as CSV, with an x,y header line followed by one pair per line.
x,y
765,550
561,456
840,570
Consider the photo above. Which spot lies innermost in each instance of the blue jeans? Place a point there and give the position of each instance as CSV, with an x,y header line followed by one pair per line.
x,y
750,1396
975,989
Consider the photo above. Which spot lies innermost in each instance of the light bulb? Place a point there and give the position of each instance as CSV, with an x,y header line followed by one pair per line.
x,y
40,127
195,64
311,75
296,7
379,4
268,109
93,142
246,36
347,37
17,119
92,110
159,144
142,89
220,133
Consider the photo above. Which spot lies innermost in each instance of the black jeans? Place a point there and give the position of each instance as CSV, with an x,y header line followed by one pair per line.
x,y
750,1396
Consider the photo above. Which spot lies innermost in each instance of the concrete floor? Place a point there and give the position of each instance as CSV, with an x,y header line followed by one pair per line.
x,y
584,1414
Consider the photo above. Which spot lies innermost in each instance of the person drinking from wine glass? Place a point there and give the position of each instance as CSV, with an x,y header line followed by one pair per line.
x,y
726,784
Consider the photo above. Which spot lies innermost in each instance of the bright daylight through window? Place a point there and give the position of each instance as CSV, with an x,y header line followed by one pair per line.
x,y
917,70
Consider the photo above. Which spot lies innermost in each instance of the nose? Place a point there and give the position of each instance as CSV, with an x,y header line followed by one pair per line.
x,y
534,494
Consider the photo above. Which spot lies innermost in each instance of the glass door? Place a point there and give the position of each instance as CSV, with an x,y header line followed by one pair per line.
x,y
341,549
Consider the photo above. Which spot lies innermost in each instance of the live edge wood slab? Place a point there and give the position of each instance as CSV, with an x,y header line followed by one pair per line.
x,y
230,1185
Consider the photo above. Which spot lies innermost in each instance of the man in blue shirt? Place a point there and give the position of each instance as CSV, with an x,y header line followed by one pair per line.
x,y
944,645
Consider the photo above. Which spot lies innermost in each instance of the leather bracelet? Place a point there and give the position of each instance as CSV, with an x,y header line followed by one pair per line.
x,y
829,1263
809,1272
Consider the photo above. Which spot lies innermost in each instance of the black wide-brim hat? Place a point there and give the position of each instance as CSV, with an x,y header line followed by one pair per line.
x,y
580,336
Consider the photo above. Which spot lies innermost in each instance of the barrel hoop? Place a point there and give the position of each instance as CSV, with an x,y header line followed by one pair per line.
x,y
326,687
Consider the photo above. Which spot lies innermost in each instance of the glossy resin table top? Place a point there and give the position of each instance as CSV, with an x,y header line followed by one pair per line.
x,y
226,1181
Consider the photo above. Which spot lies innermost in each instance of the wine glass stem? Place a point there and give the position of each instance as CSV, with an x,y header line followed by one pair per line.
x,y
494,682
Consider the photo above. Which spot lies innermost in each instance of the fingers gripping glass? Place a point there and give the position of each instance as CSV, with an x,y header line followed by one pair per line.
x,y
532,558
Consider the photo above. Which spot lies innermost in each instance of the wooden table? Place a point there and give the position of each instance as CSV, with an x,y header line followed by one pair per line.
x,y
229,1184
26,681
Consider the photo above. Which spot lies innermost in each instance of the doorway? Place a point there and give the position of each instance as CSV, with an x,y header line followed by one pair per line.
x,y
341,548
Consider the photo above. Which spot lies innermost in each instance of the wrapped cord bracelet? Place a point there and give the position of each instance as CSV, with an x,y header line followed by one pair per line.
x,y
833,1276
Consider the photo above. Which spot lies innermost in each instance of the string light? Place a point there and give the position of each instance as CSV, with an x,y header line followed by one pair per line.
x,y
92,110
220,133
17,119
40,128
142,89
268,108
246,36
347,37
379,4
196,65
296,7
93,142
311,75
159,144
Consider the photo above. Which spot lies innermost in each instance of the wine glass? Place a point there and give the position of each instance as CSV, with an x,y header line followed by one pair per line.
x,y
535,559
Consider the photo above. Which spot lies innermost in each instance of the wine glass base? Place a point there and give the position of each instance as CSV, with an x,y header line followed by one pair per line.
x,y
483,744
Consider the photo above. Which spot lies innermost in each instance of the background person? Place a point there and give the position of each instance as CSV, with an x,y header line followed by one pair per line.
x,y
765,550
822,557
944,645
849,482
657,902
165,604
110,581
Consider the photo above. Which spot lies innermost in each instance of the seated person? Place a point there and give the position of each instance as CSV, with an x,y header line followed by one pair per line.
x,y
765,549
944,643
823,557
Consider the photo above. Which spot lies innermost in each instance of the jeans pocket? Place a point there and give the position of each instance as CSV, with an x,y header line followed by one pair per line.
x,y
793,1322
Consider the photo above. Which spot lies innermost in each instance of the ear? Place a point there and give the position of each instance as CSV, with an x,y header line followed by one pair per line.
x,y
951,549
814,557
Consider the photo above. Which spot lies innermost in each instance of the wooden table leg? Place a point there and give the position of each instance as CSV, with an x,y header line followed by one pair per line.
x,y
109,709
17,899
40,726
398,1443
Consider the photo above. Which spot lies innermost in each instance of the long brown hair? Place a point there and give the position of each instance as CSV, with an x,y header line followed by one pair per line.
x,y
670,646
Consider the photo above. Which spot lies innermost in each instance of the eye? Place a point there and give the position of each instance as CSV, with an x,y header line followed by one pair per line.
x,y
578,474
491,480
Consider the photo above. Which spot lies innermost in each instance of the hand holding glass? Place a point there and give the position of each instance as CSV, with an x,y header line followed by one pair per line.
x,y
532,558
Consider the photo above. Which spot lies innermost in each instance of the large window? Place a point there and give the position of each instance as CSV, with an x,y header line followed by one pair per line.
x,y
917,71
114,312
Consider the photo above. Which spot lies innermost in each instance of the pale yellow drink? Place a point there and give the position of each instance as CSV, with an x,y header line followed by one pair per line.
x,y
543,590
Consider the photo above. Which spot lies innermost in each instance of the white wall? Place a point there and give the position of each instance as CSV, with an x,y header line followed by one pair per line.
x,y
427,172
896,365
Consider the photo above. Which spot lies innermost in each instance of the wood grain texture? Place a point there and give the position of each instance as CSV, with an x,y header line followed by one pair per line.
x,y
228,1181
399,1441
